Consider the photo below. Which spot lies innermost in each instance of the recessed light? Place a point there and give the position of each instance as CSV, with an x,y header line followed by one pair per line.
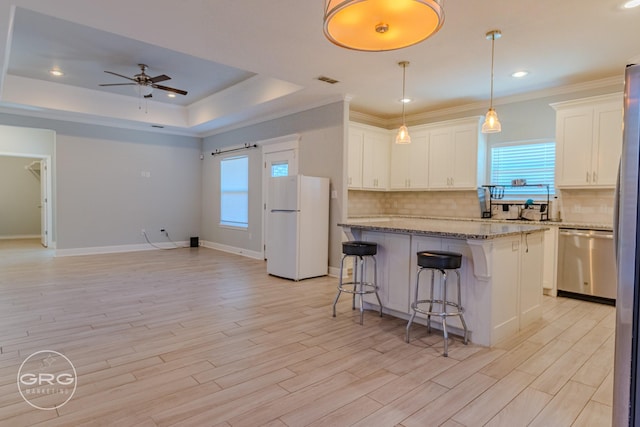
x,y
631,4
520,74
405,100
171,95
56,72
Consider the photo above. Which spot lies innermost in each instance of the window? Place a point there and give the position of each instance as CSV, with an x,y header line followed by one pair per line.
x,y
234,191
280,169
533,161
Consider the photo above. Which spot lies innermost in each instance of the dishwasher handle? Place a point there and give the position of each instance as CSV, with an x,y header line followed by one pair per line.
x,y
602,235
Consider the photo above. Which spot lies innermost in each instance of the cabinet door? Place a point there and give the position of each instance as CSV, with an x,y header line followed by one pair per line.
x,y
375,160
574,147
465,157
608,134
354,158
550,261
400,159
418,166
440,158
394,253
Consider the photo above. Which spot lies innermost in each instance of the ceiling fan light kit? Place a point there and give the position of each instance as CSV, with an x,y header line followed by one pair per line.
x,y
491,123
380,25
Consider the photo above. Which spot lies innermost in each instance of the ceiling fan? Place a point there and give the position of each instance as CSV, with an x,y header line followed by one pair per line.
x,y
145,82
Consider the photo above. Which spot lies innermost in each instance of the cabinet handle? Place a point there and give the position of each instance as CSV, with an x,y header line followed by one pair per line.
x,y
452,181
595,178
587,176
350,180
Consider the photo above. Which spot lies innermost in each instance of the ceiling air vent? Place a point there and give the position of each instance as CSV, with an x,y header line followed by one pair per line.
x,y
328,80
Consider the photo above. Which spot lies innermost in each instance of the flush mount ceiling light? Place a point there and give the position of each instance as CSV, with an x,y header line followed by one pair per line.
x,y
491,123
56,72
631,4
520,74
379,25
403,133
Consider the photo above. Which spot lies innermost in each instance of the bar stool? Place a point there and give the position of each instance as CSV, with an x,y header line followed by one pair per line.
x,y
438,261
360,252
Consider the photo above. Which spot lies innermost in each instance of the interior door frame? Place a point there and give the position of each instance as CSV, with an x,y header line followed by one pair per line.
x,y
270,147
46,194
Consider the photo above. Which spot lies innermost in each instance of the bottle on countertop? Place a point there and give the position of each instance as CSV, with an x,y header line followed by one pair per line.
x,y
556,214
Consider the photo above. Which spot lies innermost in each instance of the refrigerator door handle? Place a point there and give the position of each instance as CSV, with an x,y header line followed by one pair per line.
x,y
285,210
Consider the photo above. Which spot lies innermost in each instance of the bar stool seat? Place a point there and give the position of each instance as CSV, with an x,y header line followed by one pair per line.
x,y
441,261
360,251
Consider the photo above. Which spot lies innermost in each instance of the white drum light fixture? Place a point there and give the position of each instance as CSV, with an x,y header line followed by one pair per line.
x,y
379,25
403,133
491,123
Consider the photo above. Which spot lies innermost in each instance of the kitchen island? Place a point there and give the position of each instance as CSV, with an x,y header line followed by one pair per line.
x,y
501,273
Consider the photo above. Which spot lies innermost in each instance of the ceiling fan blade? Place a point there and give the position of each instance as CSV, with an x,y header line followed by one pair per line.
x,y
118,84
120,75
160,78
169,89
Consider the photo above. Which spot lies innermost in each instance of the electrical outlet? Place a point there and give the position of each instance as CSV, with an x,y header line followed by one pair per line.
x,y
162,230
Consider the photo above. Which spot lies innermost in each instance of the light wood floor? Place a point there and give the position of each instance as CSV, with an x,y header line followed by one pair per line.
x,y
196,337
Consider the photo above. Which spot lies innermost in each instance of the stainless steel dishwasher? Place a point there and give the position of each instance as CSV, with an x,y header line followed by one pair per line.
x,y
586,265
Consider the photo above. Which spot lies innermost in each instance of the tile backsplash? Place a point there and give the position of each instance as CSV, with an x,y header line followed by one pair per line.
x,y
587,206
456,204
577,206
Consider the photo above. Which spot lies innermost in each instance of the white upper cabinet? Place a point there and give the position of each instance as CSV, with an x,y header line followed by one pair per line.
x,y
442,156
369,171
409,163
354,158
588,141
456,155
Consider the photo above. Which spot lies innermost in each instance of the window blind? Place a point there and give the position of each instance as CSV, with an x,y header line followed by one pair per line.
x,y
534,162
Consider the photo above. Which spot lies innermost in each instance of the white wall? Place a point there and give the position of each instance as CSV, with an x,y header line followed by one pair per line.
x,y
19,198
103,196
321,133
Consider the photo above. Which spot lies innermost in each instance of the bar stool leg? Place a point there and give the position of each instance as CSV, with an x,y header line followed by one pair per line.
x,y
335,301
375,282
431,297
355,281
443,294
413,306
464,324
362,265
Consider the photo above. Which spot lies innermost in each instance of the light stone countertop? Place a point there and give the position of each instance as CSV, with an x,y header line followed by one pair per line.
x,y
561,224
457,229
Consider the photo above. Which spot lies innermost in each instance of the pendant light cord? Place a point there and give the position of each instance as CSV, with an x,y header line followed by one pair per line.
x,y
493,42
404,73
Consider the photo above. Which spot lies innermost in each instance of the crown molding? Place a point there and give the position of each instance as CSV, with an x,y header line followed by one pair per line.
x,y
426,116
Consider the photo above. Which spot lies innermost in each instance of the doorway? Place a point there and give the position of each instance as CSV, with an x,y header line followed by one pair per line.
x,y
279,158
27,213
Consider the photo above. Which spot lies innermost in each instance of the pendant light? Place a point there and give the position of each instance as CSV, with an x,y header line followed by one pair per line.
x,y
403,133
379,25
491,123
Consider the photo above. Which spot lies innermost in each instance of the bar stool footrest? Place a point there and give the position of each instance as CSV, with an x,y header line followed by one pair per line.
x,y
416,306
370,288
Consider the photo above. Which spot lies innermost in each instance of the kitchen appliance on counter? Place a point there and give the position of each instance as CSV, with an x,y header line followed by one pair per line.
x,y
494,205
586,265
298,227
626,381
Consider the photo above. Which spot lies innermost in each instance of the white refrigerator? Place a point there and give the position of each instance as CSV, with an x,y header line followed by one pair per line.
x,y
298,227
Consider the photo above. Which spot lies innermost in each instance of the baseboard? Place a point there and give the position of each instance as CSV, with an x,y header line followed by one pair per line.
x,y
334,271
97,250
231,249
20,237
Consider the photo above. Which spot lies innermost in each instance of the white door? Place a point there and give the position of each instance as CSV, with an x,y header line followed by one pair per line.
x,y
279,163
44,204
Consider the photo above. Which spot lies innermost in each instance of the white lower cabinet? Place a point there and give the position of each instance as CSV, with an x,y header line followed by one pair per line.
x,y
393,252
550,270
501,280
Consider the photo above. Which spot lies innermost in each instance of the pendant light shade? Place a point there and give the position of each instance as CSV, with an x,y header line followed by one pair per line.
x,y
491,123
403,133
379,25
